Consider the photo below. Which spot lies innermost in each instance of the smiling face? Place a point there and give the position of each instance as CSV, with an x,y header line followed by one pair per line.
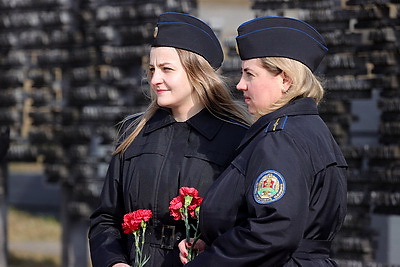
x,y
261,88
170,83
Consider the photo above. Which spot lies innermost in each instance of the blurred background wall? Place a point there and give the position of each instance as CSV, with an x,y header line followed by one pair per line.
x,y
70,70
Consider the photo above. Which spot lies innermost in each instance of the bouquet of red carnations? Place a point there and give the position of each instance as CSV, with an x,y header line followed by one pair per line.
x,y
187,203
136,223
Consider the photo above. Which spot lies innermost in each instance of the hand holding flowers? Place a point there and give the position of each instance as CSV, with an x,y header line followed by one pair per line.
x,y
184,246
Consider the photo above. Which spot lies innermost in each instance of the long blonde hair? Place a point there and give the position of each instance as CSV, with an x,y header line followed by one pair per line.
x,y
211,89
303,82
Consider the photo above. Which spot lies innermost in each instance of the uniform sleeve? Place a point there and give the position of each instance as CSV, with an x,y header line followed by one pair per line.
x,y
274,226
105,238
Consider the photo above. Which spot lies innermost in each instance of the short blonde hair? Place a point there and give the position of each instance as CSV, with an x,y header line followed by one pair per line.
x,y
303,82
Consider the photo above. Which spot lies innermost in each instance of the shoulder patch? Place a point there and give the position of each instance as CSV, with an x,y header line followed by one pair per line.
x,y
269,187
277,124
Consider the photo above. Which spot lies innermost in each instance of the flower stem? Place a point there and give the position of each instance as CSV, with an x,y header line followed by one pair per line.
x,y
196,237
187,226
141,246
137,249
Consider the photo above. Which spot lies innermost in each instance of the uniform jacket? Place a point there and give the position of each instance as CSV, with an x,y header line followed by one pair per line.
x,y
165,156
286,193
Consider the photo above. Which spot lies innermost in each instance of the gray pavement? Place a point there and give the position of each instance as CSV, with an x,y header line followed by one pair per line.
x,y
49,248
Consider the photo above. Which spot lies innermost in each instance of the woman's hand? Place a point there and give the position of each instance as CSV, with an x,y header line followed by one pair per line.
x,y
121,265
184,246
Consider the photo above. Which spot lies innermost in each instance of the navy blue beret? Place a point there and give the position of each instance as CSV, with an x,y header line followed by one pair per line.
x,y
281,37
187,32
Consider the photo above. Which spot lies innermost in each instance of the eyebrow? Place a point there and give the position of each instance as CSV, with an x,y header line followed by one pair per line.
x,y
162,64
248,69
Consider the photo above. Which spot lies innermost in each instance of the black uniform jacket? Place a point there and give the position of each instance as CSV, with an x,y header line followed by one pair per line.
x,y
283,198
165,156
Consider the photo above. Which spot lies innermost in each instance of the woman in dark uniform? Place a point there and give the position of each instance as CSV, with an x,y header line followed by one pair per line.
x,y
286,188
186,137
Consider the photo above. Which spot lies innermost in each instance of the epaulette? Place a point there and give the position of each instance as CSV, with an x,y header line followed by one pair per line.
x,y
276,125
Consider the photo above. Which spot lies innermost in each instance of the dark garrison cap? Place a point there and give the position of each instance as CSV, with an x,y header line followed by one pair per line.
x,y
189,33
281,37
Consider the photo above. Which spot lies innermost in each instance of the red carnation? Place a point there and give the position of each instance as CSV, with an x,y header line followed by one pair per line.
x,y
175,207
183,191
196,202
132,221
144,214
135,223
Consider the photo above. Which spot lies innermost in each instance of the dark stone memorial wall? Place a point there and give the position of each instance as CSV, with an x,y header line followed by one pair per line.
x,y
70,70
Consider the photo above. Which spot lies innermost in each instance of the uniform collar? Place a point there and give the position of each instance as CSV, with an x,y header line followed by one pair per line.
x,y
298,106
203,122
160,119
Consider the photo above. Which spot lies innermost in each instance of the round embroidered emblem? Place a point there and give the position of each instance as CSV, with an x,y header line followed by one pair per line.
x,y
270,186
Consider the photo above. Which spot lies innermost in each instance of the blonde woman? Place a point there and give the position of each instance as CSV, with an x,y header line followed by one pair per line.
x,y
287,186
186,137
